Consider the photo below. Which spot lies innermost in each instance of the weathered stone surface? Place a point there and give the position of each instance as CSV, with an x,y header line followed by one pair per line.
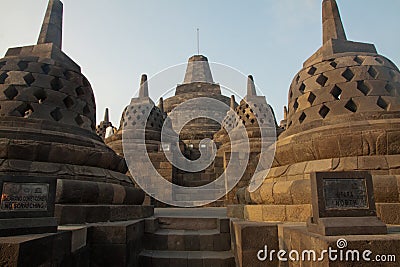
x,y
249,238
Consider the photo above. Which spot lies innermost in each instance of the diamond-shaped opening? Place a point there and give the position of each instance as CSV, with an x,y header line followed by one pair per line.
x,y
379,60
373,72
290,94
22,65
311,98
348,74
40,94
312,70
56,114
302,88
3,77
322,79
363,87
336,92
333,64
302,117
358,60
297,78
86,110
382,103
295,105
29,79
351,106
324,110
68,102
11,92
253,121
56,84
79,120
46,68
79,91
25,110
389,88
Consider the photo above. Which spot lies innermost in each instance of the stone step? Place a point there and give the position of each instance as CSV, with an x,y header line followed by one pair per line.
x,y
153,258
194,223
187,223
207,194
188,240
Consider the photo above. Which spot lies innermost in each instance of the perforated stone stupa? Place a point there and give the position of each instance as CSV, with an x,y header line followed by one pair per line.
x,y
343,115
48,129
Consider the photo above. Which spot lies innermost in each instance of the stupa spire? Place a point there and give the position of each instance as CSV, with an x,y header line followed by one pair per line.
x,y
331,22
251,88
106,116
161,104
198,70
144,88
51,31
232,106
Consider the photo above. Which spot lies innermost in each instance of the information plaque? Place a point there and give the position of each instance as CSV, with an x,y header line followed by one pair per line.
x,y
345,194
24,197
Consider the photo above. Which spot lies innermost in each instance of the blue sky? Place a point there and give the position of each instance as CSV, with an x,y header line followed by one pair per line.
x,y
116,41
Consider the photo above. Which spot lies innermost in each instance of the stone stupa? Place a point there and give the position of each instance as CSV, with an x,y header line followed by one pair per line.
x,y
343,115
47,119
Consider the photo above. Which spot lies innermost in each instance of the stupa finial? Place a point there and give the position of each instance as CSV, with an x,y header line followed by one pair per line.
x,y
232,106
331,22
251,88
106,116
51,31
144,88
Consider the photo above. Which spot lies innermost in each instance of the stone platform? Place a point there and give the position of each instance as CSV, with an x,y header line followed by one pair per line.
x,y
383,247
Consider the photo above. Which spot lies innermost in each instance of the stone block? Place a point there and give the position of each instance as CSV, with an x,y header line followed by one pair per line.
x,y
253,213
350,145
393,142
318,166
151,225
35,250
297,168
274,213
298,238
388,212
249,238
266,191
235,211
385,188
281,192
78,236
393,161
347,164
222,242
207,242
301,192
372,163
224,225
298,213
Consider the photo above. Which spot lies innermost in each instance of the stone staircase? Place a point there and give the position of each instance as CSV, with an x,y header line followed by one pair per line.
x,y
181,240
